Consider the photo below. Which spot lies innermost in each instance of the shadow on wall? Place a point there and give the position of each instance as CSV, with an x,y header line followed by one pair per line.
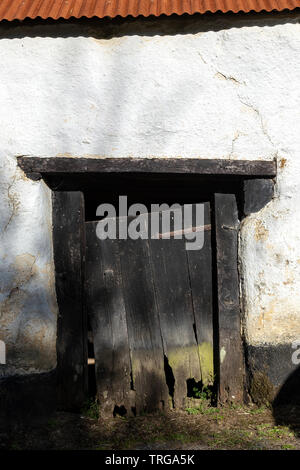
x,y
286,405
164,25
27,398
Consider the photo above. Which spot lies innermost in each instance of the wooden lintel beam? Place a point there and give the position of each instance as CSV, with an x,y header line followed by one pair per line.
x,y
56,165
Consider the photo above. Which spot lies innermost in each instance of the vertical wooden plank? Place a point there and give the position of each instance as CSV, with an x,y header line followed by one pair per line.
x,y
174,300
106,310
231,364
200,272
69,243
146,349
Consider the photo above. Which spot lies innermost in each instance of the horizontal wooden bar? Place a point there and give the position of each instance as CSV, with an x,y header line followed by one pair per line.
x,y
38,165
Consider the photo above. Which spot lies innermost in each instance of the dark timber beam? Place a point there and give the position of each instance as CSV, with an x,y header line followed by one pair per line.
x,y
45,166
69,250
230,350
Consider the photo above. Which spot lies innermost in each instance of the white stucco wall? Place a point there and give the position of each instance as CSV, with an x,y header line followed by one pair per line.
x,y
231,91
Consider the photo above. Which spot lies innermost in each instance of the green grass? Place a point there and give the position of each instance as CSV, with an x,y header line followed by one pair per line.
x,y
185,438
91,409
234,439
203,408
202,392
235,406
258,411
273,432
288,447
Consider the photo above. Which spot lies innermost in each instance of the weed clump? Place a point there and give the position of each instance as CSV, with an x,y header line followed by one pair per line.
x,y
91,409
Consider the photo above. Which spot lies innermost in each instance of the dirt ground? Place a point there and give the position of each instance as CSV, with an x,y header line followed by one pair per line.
x,y
195,428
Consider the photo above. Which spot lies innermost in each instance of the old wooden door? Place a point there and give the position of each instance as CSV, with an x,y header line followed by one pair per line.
x,y
150,306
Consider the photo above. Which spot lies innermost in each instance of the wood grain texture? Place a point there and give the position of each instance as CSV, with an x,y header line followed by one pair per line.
x,y
182,280
69,246
106,310
175,306
139,297
194,166
127,338
146,349
231,373
200,273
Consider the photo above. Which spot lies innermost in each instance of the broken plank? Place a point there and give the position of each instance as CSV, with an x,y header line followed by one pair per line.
x,y
146,349
200,273
175,307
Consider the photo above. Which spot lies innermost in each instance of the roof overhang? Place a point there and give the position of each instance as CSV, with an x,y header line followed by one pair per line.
x,y
56,9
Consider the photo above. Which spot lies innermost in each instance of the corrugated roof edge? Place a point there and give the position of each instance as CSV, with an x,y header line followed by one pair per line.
x,y
140,15
74,9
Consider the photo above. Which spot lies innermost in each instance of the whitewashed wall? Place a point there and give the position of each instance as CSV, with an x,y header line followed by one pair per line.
x,y
221,88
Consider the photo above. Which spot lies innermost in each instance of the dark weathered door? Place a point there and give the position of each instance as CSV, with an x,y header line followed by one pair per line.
x,y
150,306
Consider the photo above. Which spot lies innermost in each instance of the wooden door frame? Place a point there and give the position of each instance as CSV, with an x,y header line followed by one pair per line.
x,y
257,181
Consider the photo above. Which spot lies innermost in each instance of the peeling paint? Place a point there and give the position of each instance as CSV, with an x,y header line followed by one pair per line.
x,y
282,162
267,326
261,232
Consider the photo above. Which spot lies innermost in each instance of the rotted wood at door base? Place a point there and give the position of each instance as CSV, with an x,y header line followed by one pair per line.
x,y
150,304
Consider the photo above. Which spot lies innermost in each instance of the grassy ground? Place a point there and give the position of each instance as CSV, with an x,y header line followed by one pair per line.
x,y
201,427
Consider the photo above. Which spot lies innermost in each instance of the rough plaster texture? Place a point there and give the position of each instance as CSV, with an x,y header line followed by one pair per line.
x,y
222,87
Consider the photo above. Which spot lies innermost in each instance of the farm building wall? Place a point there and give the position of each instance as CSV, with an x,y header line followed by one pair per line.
x,y
212,86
